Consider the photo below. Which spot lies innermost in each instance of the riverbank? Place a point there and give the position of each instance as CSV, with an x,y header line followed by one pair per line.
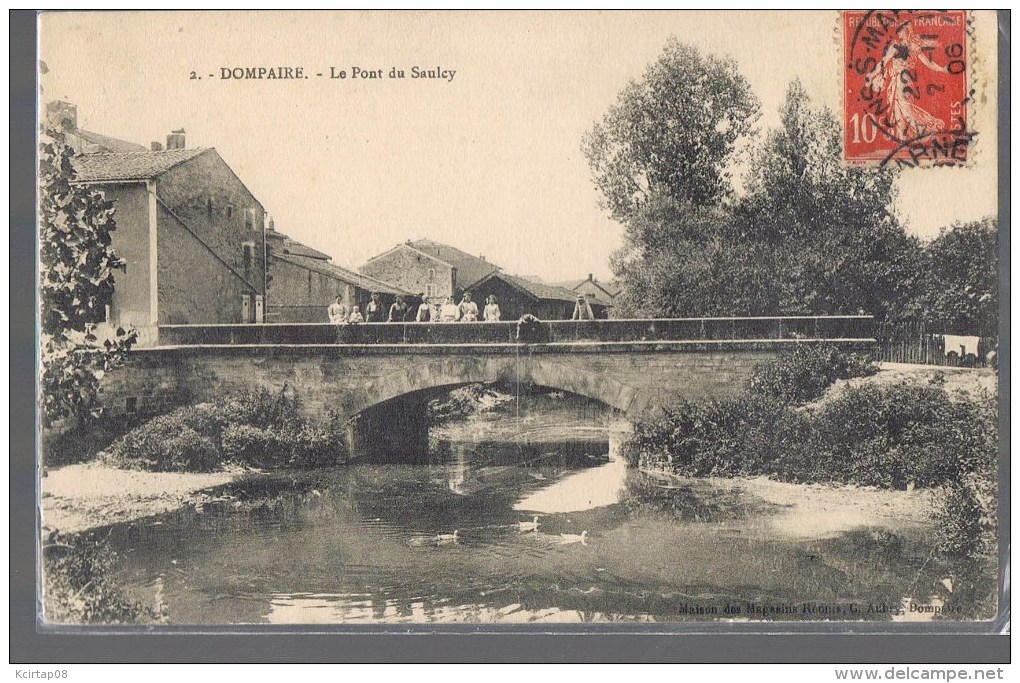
x,y
77,498
819,511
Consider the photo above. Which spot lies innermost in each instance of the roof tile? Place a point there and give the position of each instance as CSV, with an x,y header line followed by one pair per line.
x,y
130,165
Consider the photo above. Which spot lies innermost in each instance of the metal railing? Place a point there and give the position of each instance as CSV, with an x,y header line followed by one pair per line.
x,y
853,328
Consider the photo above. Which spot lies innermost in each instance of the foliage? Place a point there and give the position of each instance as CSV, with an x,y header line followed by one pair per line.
x,y
681,260
77,262
810,236
851,252
805,372
258,429
958,280
888,436
78,585
463,402
673,133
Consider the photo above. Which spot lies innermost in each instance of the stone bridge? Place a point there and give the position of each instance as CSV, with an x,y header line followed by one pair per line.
x,y
631,365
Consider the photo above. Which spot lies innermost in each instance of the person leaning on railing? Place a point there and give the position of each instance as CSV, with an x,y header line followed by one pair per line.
x,y
582,309
468,309
398,311
449,312
337,311
491,313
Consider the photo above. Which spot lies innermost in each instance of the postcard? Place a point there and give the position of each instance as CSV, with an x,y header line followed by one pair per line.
x,y
429,318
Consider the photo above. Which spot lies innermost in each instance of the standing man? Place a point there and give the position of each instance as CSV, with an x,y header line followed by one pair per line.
x,y
582,309
374,310
398,310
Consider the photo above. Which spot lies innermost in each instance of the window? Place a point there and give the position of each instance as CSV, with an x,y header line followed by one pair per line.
x,y
249,219
431,289
208,206
245,308
259,309
230,210
432,274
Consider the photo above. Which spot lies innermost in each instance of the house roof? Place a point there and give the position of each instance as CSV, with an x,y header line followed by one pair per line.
x,y
608,288
292,246
535,290
107,143
470,269
332,270
130,165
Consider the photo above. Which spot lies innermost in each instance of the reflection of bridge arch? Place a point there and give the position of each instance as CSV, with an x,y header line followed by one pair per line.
x,y
460,370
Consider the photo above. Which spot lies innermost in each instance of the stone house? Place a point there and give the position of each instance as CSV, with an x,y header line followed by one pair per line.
x,y
430,268
304,281
439,270
190,232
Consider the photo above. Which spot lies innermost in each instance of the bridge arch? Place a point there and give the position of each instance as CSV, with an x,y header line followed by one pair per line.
x,y
460,370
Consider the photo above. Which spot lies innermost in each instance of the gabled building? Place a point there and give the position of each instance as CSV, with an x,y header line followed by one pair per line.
x,y
430,268
439,270
519,295
596,290
304,281
63,116
190,232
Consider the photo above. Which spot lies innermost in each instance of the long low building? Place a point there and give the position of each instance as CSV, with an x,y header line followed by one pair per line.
x,y
304,281
518,296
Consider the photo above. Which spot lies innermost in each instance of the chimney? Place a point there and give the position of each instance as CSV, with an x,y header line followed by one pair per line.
x,y
482,257
591,278
272,225
62,115
155,146
175,140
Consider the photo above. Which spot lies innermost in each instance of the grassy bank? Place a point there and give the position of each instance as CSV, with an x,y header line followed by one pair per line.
x,y
904,433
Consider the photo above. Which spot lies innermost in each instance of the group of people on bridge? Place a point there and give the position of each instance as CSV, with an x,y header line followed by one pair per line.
x,y
434,309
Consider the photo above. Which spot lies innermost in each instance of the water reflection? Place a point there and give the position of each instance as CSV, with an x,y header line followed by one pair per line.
x,y
530,529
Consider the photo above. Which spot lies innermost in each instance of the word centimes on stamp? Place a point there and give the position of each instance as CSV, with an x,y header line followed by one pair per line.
x,y
905,88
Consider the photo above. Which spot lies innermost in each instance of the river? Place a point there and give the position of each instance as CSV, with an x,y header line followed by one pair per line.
x,y
545,523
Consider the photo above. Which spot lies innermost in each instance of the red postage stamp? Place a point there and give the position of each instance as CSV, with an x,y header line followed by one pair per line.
x,y
905,98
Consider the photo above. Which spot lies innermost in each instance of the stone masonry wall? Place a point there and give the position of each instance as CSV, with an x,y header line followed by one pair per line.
x,y
410,270
323,378
194,285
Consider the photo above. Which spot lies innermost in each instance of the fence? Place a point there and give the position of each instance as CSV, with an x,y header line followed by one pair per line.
x,y
907,342
855,328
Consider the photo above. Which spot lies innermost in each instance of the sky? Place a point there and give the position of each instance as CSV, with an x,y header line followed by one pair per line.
x,y
489,161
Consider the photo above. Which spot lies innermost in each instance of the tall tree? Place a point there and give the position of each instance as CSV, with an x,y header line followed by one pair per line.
x,y
852,254
958,284
673,133
680,260
77,264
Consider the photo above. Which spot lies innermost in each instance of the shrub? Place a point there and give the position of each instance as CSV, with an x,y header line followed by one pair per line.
x,y
322,445
164,444
803,374
78,587
263,408
257,447
258,429
887,436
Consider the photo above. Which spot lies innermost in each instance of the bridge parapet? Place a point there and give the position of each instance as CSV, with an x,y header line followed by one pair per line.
x,y
838,329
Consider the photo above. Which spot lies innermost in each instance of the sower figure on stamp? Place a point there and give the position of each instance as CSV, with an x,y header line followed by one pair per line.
x,y
898,67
